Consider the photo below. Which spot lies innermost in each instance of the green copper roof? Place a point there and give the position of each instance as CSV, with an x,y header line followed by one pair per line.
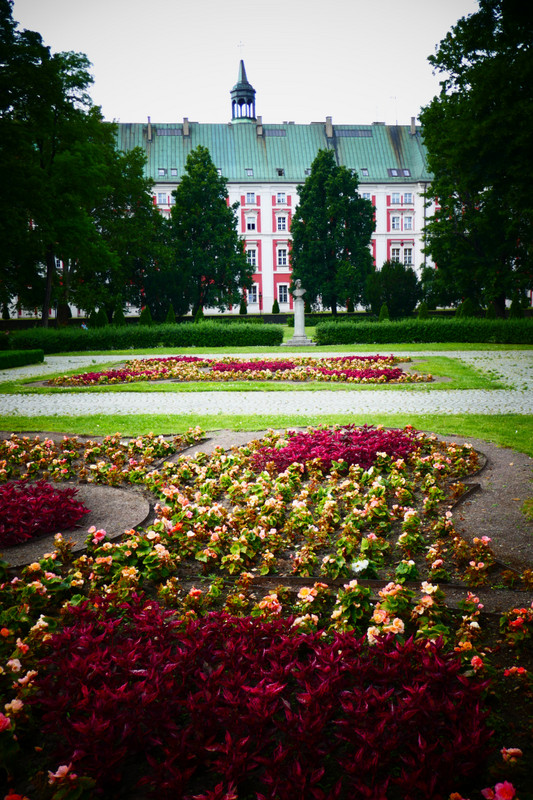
x,y
247,151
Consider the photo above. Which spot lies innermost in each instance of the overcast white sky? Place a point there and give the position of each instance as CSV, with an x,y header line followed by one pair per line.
x,y
358,61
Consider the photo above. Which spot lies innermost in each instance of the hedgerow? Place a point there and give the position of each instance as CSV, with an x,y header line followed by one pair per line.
x,y
20,358
115,337
465,329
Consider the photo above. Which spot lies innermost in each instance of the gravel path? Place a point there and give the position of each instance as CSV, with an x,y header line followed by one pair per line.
x,y
512,367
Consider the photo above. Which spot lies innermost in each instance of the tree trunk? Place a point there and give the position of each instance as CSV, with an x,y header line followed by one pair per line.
x,y
50,269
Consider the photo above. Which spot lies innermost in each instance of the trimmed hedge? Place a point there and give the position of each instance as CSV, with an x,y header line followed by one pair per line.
x,y
112,337
20,358
465,329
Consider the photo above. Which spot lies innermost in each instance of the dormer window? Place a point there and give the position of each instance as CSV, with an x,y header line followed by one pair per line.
x,y
280,172
249,172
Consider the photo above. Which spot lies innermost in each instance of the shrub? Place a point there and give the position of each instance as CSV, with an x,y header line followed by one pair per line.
x,y
395,285
170,318
490,313
125,694
468,308
383,313
515,310
118,316
452,329
29,510
145,317
19,358
275,307
423,311
209,334
242,307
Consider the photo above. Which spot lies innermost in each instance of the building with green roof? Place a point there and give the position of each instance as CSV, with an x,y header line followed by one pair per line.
x,y
265,163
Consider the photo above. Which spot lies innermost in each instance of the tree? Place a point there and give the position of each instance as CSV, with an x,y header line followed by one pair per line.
x,y
331,231
207,249
394,285
479,135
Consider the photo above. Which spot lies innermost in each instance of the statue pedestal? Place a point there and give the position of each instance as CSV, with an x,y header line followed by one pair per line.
x,y
300,339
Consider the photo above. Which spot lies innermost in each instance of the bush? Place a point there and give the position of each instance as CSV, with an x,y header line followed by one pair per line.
x,y
19,358
112,337
516,311
125,693
170,318
118,316
242,307
468,308
470,329
275,307
423,311
383,313
145,317
395,285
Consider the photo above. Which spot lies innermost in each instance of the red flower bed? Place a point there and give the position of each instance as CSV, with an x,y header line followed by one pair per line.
x,y
350,444
391,374
134,697
253,366
29,510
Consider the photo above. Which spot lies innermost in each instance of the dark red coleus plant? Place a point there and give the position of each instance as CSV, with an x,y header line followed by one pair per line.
x,y
350,444
34,509
224,706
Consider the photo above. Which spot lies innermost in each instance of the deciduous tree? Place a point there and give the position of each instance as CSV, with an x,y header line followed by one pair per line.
x,y
479,135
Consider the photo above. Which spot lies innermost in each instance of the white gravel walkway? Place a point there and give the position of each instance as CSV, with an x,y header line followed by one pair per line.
x,y
512,367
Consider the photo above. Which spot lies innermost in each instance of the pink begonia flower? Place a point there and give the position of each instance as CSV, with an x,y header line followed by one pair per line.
x,y
98,536
477,662
5,722
502,791
62,772
511,754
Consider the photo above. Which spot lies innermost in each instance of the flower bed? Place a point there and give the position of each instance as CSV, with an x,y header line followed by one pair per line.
x,y
30,510
349,369
142,639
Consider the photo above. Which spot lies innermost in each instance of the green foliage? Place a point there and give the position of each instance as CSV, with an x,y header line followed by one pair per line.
x,y
423,311
199,316
206,248
145,317
478,135
468,308
383,313
209,334
465,329
19,358
349,306
515,310
395,285
118,316
242,307
275,306
170,318
490,313
331,231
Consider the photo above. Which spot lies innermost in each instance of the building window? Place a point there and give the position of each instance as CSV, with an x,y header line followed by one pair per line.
x,y
172,200
282,257
364,172
252,294
307,171
219,172
161,199
249,172
393,173
250,198
283,293
282,223
408,223
174,172
280,171
408,198
395,198
251,257
250,223
281,198
406,173
395,223
161,171
366,195
408,256
395,254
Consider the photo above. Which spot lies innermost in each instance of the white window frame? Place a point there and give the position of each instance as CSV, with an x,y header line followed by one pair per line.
x,y
250,198
174,172
408,222
283,293
395,254
395,223
161,171
282,257
252,294
395,198
408,198
281,223
364,172
251,256
249,172
366,196
408,256
161,198
251,223
281,198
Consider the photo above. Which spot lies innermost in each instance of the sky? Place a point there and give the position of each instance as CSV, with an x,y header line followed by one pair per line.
x,y
358,61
